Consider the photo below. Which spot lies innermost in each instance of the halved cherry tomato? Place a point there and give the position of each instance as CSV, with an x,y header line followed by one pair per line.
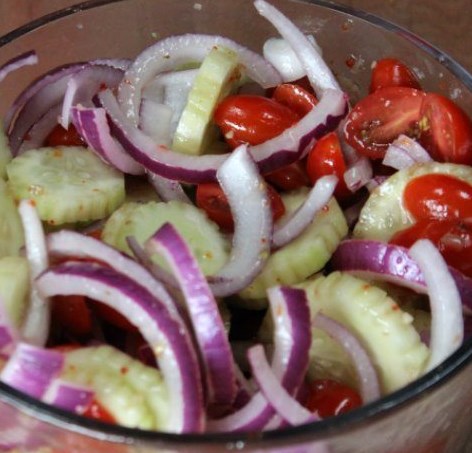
x,y
252,119
390,72
97,412
211,198
64,137
295,97
439,197
113,317
71,314
446,130
290,177
326,158
327,398
379,118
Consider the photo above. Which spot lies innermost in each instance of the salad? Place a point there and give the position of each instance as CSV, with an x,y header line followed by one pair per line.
x,y
208,239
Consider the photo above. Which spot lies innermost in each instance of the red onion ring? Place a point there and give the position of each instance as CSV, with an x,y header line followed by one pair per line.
x,y
25,59
292,339
35,328
404,152
92,125
369,385
270,155
171,345
168,54
283,402
391,263
204,314
288,229
252,216
31,369
69,397
318,72
447,322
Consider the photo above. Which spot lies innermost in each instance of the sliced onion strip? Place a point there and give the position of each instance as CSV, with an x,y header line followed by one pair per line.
x,y
404,152
288,229
447,322
29,58
369,385
67,396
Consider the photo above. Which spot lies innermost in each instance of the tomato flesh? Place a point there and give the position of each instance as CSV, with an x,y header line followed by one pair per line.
x,y
64,137
295,97
379,118
290,177
446,130
390,72
252,119
326,158
442,207
211,199
97,412
71,314
327,398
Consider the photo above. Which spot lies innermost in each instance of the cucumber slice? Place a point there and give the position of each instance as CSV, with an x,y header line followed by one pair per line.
x,y
384,213
385,330
142,220
133,393
5,153
219,73
305,255
68,184
11,228
14,287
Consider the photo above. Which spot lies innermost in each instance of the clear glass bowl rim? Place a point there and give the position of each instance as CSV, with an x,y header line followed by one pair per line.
x,y
312,431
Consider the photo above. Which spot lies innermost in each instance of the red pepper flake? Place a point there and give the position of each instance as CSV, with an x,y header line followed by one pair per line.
x,y
124,370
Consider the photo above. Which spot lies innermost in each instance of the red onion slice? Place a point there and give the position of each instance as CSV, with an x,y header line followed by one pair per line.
x,y
292,339
9,335
447,322
31,369
83,86
391,263
25,59
269,156
92,125
358,174
318,72
204,314
170,343
290,227
404,152
284,404
75,245
35,328
245,190
167,189
369,385
170,53
155,121
69,397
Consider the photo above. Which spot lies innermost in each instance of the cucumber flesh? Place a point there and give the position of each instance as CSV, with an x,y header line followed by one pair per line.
x,y
134,394
11,228
385,330
304,256
14,287
218,75
384,213
5,153
142,220
67,184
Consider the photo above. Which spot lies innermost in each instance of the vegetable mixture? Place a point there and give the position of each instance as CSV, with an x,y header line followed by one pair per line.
x,y
208,239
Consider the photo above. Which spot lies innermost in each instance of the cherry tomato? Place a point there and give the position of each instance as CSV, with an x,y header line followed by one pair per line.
x,y
64,137
252,119
390,72
71,314
113,317
446,130
97,412
327,398
326,158
211,198
379,118
439,197
295,97
290,177
453,239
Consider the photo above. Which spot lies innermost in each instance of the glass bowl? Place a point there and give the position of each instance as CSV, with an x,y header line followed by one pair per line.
x,y
430,415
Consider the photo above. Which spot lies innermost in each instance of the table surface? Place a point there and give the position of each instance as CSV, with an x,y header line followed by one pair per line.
x,y
445,24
